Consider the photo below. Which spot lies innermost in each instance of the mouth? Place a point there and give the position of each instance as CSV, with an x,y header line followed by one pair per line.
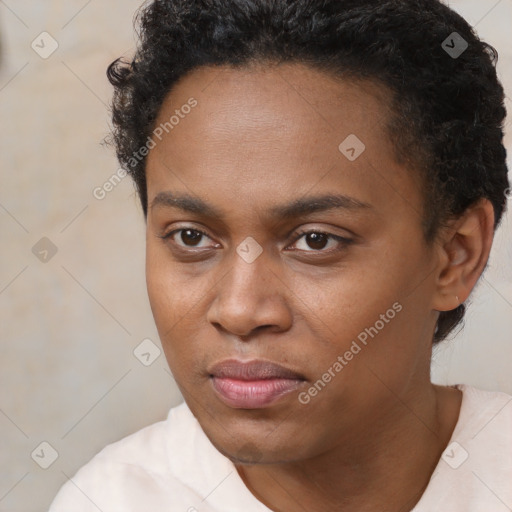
x,y
253,384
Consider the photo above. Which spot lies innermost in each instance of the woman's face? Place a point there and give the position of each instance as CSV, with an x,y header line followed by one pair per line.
x,y
254,158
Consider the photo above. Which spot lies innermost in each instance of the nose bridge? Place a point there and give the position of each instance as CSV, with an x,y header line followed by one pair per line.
x,y
249,272
247,297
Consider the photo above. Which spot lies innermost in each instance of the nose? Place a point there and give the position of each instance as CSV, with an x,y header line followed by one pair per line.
x,y
249,298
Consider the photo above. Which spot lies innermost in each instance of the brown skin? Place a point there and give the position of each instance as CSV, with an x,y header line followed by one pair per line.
x,y
261,137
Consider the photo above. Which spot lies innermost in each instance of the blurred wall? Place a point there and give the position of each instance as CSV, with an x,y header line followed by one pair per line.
x,y
80,362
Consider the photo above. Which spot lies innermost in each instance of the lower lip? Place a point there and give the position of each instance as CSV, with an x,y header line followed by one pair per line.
x,y
254,394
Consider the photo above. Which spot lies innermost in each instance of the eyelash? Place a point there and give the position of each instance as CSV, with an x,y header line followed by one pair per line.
x,y
342,240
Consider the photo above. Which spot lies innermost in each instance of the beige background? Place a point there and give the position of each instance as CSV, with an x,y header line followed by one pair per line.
x,y
69,326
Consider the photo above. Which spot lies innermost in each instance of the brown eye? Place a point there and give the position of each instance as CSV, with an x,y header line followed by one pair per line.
x,y
187,237
318,241
190,236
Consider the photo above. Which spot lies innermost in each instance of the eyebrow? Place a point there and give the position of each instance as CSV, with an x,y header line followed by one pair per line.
x,y
302,206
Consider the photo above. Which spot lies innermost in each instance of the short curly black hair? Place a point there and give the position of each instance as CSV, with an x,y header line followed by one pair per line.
x,y
447,109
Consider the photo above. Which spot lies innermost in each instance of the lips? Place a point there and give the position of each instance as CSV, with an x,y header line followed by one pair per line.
x,y
252,370
253,384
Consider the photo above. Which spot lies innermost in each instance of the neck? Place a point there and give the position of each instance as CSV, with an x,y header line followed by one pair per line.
x,y
384,466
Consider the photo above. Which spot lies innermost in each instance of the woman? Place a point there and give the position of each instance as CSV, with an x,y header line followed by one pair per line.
x,y
321,183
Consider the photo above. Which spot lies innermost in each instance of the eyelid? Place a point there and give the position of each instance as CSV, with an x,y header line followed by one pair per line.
x,y
169,234
305,231
341,239
344,241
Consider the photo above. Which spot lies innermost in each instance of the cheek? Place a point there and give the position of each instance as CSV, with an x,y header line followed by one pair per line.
x,y
171,291
177,303
159,277
364,314
169,295
343,303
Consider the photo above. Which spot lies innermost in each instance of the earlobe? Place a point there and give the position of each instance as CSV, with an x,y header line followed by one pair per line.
x,y
464,254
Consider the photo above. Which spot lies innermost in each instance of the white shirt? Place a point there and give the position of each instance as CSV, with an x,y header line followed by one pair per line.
x,y
172,466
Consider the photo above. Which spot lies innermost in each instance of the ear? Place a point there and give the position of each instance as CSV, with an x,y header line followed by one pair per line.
x,y
464,249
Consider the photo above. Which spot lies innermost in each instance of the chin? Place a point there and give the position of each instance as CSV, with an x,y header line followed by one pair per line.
x,y
244,445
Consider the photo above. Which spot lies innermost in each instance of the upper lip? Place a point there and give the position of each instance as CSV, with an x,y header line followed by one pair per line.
x,y
252,370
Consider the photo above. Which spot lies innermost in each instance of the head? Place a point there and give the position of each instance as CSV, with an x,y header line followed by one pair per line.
x,y
318,180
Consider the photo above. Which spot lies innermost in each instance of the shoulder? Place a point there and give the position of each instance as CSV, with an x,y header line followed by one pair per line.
x,y
484,414
475,470
131,474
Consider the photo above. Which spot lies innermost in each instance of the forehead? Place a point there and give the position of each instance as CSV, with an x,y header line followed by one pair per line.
x,y
261,99
267,131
